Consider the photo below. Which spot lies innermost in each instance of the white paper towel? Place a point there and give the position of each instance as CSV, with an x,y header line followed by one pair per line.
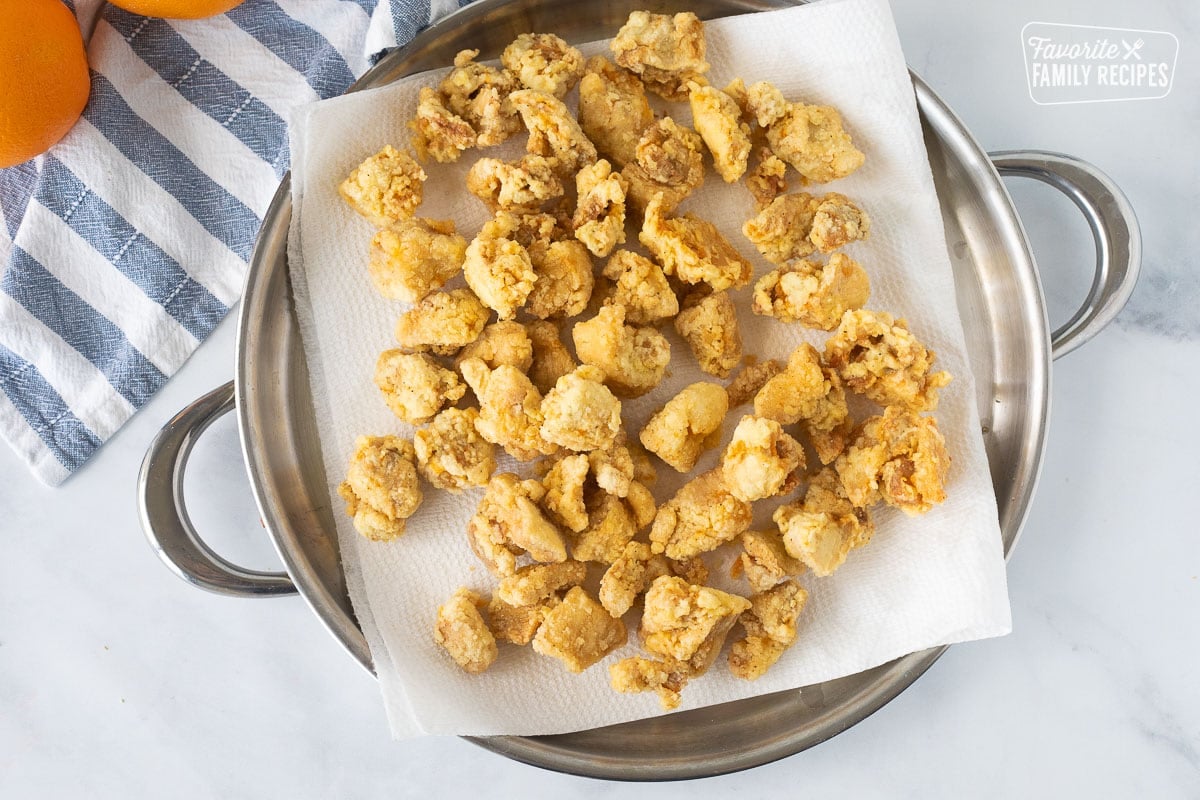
x,y
921,582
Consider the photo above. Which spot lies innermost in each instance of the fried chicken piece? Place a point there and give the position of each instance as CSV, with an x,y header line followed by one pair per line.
x,y
764,560
641,287
781,230
479,94
667,51
805,390
814,294
551,358
521,186
381,490
637,674
687,425
564,280
613,467
579,632
461,632
413,257
701,516
613,110
770,625
438,131
612,523
442,322
668,160
544,62
761,460
632,358
414,386
509,522
451,454
553,130
500,273
564,491
838,222
750,379
599,219
385,188
900,457
517,624
692,249
510,409
810,138
876,356
822,529
629,575
767,180
795,225
580,413
718,120
503,342
709,325
537,582
681,620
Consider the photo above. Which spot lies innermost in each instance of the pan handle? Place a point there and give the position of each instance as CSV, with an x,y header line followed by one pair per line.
x,y
1114,228
164,514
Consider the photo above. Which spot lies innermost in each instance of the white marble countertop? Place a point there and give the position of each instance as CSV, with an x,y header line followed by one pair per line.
x,y
118,680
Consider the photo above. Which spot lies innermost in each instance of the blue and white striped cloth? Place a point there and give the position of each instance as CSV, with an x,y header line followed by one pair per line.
x,y
127,243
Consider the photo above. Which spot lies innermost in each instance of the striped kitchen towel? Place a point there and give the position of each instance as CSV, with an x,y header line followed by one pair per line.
x,y
126,244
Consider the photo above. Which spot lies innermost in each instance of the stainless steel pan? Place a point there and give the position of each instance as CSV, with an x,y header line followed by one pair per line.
x,y
1007,336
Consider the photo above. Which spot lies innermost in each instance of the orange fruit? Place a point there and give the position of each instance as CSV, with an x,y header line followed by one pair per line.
x,y
177,9
44,79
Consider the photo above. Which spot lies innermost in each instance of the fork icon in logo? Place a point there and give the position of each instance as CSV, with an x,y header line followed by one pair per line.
x,y
1132,49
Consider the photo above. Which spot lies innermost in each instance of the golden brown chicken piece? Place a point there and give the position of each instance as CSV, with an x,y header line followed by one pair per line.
x,y
822,529
579,632
536,582
761,460
451,454
701,517
692,249
510,412
664,677
878,357
810,138
764,560
612,523
599,219
641,287
709,326
900,457
564,484
767,177
805,390
795,225
381,489
385,188
518,624
522,186
508,522
813,294
580,413
544,62
718,120
499,271
681,620
414,386
633,359
553,130
413,257
479,94
667,51
770,625
462,632
442,323
750,379
668,161
500,343
437,131
629,575
613,110
551,358
687,425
